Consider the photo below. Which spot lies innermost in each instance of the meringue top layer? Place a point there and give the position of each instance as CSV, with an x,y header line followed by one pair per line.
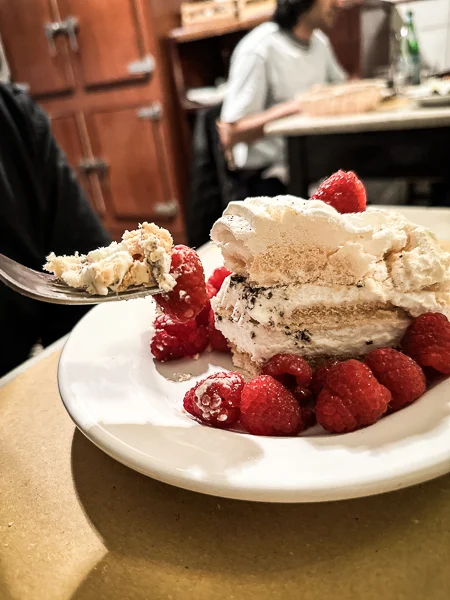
x,y
285,240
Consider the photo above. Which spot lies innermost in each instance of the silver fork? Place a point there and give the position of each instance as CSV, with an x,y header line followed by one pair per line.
x,y
47,288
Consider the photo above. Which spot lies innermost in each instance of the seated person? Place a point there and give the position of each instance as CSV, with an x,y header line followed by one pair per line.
x,y
270,67
42,208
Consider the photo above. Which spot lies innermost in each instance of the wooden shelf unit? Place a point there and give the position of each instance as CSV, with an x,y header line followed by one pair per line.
x,y
200,32
200,55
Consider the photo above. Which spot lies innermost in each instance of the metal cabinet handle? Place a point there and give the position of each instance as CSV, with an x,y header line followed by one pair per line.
x,y
166,210
67,27
143,66
23,86
169,209
153,112
71,25
91,165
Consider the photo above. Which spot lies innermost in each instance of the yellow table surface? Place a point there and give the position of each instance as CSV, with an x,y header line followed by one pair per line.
x,y
76,524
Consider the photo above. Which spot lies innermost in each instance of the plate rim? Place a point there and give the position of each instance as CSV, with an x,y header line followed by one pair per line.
x,y
433,100
129,456
437,464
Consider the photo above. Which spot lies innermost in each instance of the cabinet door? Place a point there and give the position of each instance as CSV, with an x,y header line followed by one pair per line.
x,y
27,50
138,185
70,133
110,39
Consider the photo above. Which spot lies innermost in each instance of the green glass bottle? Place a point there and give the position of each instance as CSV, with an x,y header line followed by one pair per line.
x,y
411,49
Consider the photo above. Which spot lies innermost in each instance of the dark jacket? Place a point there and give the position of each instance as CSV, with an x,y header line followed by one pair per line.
x,y
42,209
211,186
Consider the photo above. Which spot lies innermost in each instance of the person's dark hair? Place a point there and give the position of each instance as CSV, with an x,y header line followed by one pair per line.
x,y
288,12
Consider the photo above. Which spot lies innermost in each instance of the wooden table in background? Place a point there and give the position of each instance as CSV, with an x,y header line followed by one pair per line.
x,y
76,525
404,142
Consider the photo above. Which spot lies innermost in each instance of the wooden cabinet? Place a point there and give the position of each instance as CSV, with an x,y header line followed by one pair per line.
x,y
110,40
135,185
70,133
22,27
93,66
69,138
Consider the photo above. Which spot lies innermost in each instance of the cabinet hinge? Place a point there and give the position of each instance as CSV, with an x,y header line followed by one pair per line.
x,y
89,165
144,66
153,112
166,210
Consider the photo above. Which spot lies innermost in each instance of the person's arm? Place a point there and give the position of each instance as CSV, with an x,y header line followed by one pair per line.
x,y
244,112
251,128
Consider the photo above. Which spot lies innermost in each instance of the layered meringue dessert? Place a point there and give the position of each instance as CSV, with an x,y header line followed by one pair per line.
x,y
143,257
311,281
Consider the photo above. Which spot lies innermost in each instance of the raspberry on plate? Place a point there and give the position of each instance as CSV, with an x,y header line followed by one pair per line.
x,y
216,400
309,418
320,376
351,398
216,338
174,327
173,339
268,408
289,369
399,373
427,341
343,191
189,296
303,395
211,291
203,316
218,277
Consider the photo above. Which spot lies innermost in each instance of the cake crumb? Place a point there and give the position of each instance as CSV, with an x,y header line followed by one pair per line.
x,y
180,377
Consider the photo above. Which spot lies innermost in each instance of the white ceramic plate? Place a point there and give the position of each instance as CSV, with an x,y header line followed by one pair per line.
x,y
432,101
131,408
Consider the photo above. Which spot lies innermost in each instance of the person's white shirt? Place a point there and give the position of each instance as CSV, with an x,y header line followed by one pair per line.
x,y
270,66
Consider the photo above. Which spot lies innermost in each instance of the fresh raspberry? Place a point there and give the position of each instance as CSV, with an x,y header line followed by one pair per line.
x,y
399,374
319,377
216,338
268,408
189,296
174,327
289,369
343,191
427,341
173,339
211,290
216,399
351,398
218,277
309,418
303,395
432,376
203,316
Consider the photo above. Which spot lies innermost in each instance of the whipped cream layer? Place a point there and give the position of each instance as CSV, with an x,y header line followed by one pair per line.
x,y
143,257
314,282
285,239
314,320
